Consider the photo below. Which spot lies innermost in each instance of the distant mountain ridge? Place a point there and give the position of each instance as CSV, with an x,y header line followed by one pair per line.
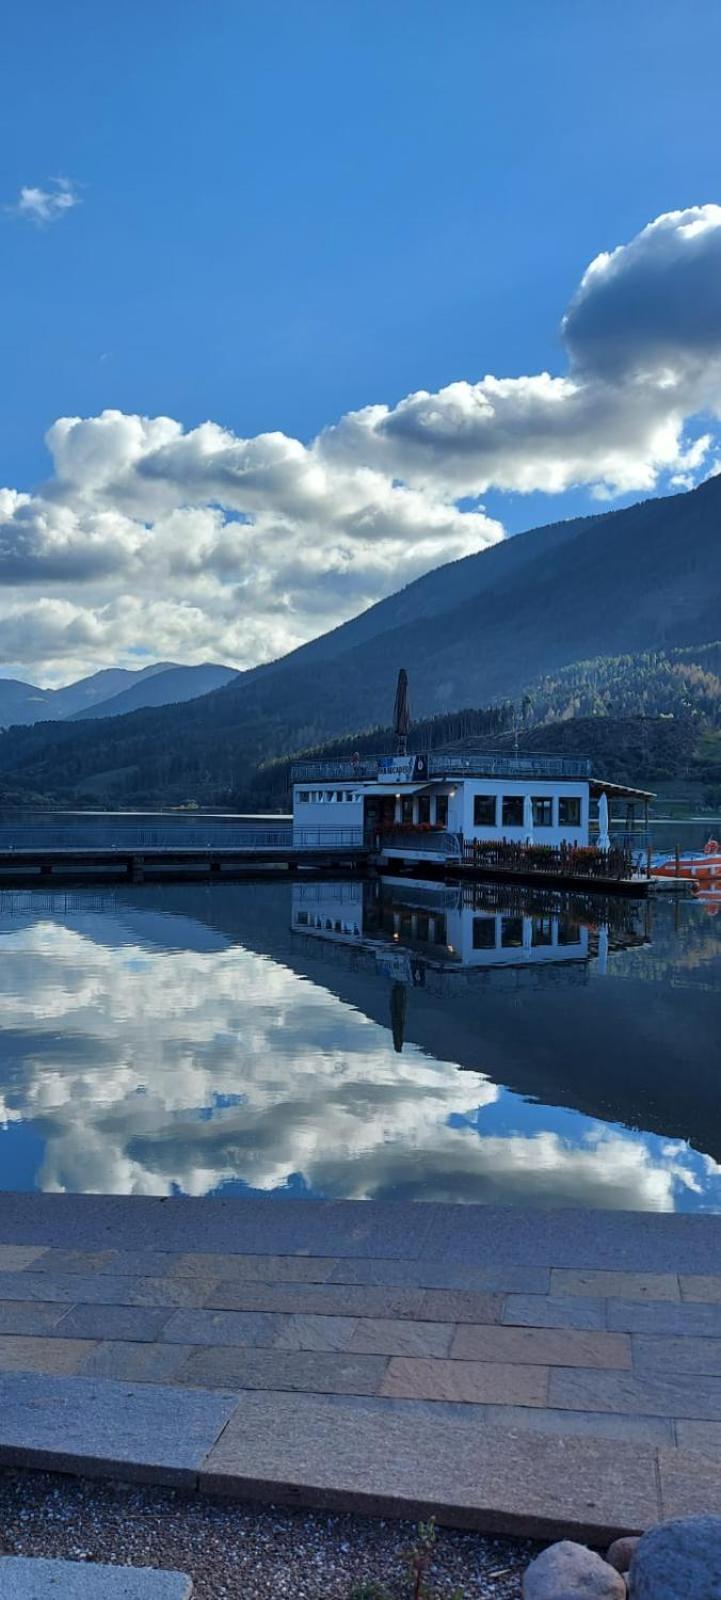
x,y
162,686
473,632
108,693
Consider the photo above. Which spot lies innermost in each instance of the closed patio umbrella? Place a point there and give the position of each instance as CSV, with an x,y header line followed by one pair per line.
x,y
528,818
604,842
401,713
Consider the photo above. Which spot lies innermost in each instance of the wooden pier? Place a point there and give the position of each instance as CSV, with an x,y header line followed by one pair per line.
x,y
25,867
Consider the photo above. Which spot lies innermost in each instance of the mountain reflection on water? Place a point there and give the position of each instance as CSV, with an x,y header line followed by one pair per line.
x,y
385,1039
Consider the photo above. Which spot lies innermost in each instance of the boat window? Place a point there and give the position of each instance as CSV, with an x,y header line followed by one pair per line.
x,y
484,933
484,811
542,811
304,797
424,808
569,811
512,931
513,810
442,810
406,809
542,930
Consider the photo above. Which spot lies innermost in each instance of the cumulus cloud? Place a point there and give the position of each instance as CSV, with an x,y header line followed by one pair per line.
x,y
258,544
46,205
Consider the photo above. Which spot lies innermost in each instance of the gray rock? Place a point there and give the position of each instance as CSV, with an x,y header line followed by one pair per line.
x,y
620,1553
569,1571
678,1560
22,1578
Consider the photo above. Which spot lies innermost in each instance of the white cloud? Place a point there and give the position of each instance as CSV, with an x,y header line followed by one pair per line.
x,y
46,205
197,541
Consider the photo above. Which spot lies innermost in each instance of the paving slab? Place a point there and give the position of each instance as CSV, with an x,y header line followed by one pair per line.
x,y
432,1274
684,1320
13,1257
27,1354
221,1327
302,1449
553,1311
104,1289
267,1226
103,1428
324,1298
30,1316
701,1287
663,1354
554,1347
114,1322
629,1241
142,1363
667,1394
317,1372
702,1436
478,1381
623,1285
25,1578
690,1483
371,1230
461,1305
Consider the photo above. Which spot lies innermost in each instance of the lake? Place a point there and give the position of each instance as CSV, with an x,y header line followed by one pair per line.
x,y
383,1039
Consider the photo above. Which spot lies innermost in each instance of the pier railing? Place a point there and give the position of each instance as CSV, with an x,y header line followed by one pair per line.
x,y
199,837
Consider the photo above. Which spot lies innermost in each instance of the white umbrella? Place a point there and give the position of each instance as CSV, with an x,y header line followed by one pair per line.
x,y
528,818
604,843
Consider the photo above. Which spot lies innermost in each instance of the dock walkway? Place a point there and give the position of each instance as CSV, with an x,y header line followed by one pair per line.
x,y
541,1373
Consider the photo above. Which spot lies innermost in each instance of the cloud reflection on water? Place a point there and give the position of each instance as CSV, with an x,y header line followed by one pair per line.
x,y
147,1070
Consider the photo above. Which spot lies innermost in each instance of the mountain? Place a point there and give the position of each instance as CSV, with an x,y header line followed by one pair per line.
x,y
22,702
480,630
160,686
109,693
88,693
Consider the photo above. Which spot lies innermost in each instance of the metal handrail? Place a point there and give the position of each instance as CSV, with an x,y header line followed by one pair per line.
x,y
128,839
476,764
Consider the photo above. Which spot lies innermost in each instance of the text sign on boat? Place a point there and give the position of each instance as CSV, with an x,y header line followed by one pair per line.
x,y
403,769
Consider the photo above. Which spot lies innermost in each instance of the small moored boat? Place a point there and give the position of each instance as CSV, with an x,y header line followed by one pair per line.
x,y
703,867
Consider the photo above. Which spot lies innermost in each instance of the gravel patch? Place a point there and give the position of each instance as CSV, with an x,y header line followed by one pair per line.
x,y
243,1552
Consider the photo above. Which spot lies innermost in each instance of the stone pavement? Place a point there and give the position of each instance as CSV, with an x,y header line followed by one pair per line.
x,y
542,1373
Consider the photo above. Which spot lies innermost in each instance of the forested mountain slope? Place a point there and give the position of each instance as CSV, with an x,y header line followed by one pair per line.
x,y
644,579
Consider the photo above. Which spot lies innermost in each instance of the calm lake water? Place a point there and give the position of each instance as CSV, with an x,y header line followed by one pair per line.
x,y
378,1040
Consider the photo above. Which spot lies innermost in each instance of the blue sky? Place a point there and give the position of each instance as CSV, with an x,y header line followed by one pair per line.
x,y
289,211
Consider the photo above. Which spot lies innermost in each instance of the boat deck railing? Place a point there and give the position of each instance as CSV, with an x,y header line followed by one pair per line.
x,y
488,764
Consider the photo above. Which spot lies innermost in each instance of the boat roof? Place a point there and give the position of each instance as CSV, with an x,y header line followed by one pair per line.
x,y
618,791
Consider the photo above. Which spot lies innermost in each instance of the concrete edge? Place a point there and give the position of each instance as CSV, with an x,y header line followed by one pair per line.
x,y
314,1497
481,1519
29,1458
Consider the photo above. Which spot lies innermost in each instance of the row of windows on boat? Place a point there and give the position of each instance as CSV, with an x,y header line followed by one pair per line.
x,y
428,929
485,808
319,797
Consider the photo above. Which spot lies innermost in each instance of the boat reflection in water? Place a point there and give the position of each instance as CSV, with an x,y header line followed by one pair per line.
x,y
428,935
